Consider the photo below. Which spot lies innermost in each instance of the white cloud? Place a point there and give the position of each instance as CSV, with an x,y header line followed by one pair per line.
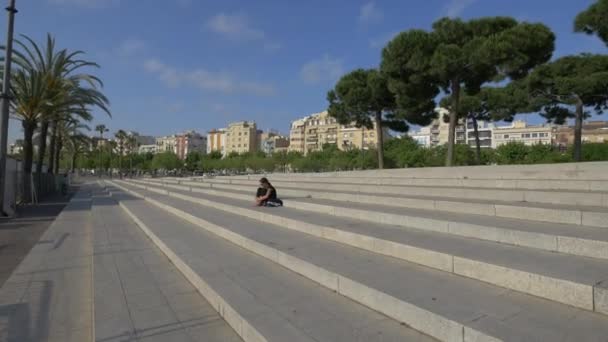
x,y
130,47
234,26
206,80
86,3
237,27
323,69
455,7
369,13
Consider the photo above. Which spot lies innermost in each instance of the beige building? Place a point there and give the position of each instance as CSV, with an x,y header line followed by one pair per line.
x,y
312,132
216,141
166,144
522,132
440,129
296,135
241,137
593,132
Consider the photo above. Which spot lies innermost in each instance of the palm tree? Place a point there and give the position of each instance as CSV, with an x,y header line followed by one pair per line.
x,y
70,134
121,139
64,93
101,129
131,146
28,94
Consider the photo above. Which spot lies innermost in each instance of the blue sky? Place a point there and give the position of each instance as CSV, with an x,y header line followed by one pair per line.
x,y
196,64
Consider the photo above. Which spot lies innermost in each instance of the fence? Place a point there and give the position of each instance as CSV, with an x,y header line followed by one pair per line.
x,y
20,189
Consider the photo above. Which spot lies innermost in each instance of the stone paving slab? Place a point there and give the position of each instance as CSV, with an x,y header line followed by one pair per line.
x,y
393,286
49,296
139,294
278,303
568,239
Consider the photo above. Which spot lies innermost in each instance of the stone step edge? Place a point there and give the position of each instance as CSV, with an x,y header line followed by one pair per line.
x,y
520,195
239,324
548,242
584,296
554,215
516,184
417,318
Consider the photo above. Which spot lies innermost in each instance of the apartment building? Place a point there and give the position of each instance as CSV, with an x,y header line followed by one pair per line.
x,y
522,132
485,130
312,132
320,129
216,141
143,149
166,144
296,135
241,137
275,143
188,142
593,132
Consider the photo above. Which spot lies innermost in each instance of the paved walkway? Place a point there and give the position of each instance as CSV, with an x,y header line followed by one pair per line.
x,y
49,296
139,294
18,235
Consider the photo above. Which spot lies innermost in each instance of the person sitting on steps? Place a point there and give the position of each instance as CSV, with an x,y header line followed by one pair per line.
x,y
266,195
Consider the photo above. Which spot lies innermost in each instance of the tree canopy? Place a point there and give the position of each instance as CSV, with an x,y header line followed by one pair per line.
x,y
362,96
460,54
570,82
594,20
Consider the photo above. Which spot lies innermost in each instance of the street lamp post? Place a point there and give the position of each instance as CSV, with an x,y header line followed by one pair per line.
x,y
5,97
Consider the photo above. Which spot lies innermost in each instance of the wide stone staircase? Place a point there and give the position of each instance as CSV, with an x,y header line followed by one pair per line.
x,y
493,253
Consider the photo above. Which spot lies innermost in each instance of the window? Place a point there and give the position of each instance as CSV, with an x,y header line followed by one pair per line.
x,y
239,145
534,135
245,133
239,133
506,136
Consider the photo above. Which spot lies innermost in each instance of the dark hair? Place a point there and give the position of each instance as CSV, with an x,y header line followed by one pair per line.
x,y
264,180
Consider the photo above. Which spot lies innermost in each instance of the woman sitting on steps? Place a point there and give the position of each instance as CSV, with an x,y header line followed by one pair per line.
x,y
267,195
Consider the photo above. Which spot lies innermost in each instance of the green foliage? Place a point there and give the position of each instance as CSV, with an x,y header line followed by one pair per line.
x,y
460,55
166,161
595,151
594,20
519,153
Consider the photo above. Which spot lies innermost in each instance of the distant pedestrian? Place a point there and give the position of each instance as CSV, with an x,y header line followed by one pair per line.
x,y
266,195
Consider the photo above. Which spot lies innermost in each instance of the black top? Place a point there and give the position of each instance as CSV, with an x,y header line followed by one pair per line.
x,y
272,192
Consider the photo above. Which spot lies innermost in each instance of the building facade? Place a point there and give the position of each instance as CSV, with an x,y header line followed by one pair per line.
x,y
311,133
188,142
520,131
143,149
241,137
216,141
275,143
485,130
166,144
592,132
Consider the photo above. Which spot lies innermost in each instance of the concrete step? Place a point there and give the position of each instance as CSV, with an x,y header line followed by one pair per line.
x,y
563,278
563,238
447,306
564,197
524,184
139,294
578,215
260,299
563,171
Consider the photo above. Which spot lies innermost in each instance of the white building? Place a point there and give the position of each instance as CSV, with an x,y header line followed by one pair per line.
x,y
151,148
422,136
216,141
166,144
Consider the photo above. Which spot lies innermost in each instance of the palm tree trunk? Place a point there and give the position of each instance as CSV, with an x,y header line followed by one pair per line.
x,y
73,164
58,154
578,130
477,142
52,146
28,158
44,128
380,145
453,121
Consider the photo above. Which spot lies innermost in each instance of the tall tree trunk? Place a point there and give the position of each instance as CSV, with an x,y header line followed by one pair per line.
x,y
578,130
73,164
44,128
58,154
28,158
380,145
52,146
477,142
449,161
